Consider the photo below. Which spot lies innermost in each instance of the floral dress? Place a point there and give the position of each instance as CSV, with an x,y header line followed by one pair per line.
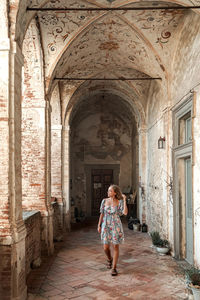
x,y
111,227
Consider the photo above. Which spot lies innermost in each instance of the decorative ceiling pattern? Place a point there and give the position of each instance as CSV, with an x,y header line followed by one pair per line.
x,y
109,44
159,27
86,43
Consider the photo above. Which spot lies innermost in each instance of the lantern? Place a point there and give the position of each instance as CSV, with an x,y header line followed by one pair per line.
x,y
161,143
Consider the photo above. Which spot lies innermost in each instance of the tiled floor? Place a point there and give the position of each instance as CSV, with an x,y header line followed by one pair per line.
x,y
77,271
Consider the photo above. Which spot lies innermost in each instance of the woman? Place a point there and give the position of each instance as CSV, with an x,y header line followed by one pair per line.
x,y
110,225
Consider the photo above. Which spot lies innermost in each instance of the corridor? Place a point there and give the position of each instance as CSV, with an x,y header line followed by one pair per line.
x,y
78,271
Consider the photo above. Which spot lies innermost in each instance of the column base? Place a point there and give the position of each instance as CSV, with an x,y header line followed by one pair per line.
x,y
12,271
23,295
67,221
47,234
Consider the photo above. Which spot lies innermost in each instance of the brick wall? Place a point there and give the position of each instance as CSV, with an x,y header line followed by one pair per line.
x,y
32,220
33,124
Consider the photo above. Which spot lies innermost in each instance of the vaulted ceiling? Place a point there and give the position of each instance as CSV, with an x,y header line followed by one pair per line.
x,y
91,44
86,43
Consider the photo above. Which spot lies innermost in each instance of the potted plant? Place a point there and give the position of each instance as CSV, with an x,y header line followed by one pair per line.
x,y
193,281
136,224
162,246
155,237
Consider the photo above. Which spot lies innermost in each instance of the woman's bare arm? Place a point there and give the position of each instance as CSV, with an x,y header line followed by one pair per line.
x,y
125,212
99,223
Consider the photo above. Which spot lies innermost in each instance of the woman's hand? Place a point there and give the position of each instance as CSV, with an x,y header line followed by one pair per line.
x,y
99,229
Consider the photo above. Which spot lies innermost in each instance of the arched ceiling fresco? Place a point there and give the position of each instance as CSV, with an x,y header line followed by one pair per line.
x,y
24,17
84,43
131,38
91,44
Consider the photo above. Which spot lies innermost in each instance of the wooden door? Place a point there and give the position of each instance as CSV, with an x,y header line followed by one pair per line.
x,y
101,180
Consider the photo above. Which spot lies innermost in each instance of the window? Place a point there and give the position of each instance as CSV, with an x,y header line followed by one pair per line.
x,y
185,129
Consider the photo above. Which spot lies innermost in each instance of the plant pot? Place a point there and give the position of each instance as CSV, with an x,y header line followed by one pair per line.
x,y
196,292
162,250
136,227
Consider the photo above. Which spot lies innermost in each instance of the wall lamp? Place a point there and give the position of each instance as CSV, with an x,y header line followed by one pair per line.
x,y
161,142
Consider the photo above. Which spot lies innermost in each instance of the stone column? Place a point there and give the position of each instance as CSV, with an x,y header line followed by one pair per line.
x,y
48,219
56,178
12,229
142,132
66,175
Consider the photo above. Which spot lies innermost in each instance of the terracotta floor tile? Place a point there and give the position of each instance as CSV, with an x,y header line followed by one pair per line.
x,y
58,297
78,271
52,293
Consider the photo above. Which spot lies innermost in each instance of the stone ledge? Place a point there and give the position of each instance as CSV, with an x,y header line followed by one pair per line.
x,y
29,213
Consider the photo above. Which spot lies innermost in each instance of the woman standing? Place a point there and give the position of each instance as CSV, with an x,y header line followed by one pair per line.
x,y
110,225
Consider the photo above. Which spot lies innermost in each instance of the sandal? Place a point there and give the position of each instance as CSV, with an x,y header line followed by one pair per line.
x,y
109,264
114,272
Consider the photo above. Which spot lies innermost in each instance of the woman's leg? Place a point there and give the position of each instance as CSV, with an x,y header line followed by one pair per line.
x,y
107,251
115,255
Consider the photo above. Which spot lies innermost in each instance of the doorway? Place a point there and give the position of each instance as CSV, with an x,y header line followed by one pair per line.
x,y
184,234
98,179
101,179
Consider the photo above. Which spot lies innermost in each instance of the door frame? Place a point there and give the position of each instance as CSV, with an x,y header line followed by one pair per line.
x,y
183,153
88,169
179,151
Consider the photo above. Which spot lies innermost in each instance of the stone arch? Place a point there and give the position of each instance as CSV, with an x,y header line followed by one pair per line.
x,y
135,105
77,97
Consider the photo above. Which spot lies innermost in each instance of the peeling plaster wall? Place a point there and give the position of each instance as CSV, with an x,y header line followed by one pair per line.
x,y
157,178
186,69
4,20
157,194
186,75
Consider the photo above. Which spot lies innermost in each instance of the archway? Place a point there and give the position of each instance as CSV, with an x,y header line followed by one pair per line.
x,y
104,150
